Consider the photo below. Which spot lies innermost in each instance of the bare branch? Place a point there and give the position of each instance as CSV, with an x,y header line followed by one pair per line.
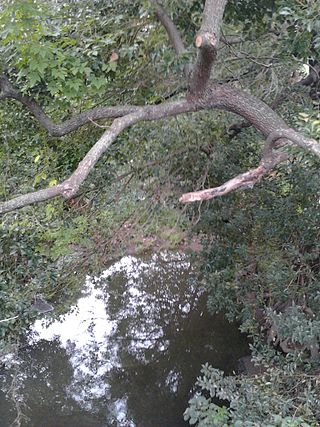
x,y
245,180
222,97
277,138
9,319
70,186
207,41
8,91
171,29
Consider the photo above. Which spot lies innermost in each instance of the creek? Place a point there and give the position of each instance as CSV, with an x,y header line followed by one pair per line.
x,y
126,354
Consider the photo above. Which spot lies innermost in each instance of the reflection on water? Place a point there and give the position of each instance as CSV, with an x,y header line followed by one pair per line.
x,y
126,355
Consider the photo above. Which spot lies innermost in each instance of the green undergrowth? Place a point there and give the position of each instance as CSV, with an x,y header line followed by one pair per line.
x,y
48,250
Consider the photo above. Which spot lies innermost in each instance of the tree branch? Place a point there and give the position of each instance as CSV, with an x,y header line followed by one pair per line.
x,y
8,91
311,80
207,41
222,97
70,186
170,27
268,162
296,138
236,128
173,33
245,180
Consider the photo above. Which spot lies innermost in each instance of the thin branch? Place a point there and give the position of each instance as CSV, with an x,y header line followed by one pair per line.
x,y
8,91
173,33
230,40
170,27
97,124
9,319
207,41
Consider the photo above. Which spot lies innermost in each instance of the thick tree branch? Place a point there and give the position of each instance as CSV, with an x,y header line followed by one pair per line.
x,y
236,128
311,80
217,96
297,139
70,186
201,96
207,41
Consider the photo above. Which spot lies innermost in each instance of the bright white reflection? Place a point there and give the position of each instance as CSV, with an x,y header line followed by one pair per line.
x,y
73,327
85,331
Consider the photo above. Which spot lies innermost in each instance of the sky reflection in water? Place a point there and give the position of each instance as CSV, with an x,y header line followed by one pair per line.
x,y
128,352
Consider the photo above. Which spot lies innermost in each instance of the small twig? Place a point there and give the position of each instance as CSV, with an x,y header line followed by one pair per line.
x,y
9,318
97,124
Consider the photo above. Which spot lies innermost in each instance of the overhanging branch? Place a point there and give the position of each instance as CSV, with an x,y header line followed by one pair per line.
x,y
70,186
269,161
8,91
217,96
244,180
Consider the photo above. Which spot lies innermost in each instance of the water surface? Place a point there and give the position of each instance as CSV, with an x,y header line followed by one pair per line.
x,y
126,354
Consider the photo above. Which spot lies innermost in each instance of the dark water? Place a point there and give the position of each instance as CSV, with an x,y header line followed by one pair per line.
x,y
126,355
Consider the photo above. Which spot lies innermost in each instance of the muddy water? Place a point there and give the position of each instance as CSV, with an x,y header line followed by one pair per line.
x,y
125,355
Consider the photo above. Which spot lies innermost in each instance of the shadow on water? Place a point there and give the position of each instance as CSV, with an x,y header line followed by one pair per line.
x,y
126,355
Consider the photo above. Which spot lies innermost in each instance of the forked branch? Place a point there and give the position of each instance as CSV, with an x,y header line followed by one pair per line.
x,y
297,139
70,186
202,96
217,96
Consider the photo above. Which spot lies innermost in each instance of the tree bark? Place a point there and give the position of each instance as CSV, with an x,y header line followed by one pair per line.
x,y
216,97
207,41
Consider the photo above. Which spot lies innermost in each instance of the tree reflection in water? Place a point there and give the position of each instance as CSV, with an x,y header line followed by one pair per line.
x,y
129,351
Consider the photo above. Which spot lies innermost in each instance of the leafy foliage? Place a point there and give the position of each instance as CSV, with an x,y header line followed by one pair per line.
x,y
262,270
253,401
